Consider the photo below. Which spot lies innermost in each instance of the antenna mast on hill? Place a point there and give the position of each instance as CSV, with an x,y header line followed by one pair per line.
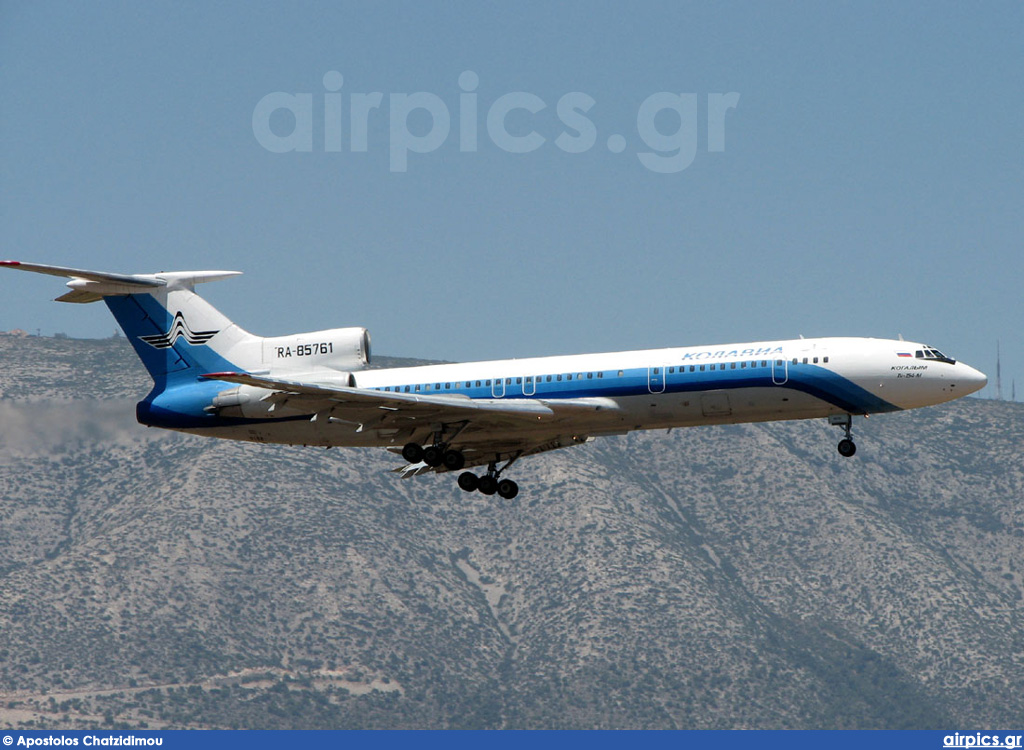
x,y
999,375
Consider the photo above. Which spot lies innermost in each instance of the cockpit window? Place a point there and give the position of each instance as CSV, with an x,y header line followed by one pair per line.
x,y
934,354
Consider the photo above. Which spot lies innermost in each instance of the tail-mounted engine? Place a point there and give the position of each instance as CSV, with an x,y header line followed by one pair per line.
x,y
321,357
338,349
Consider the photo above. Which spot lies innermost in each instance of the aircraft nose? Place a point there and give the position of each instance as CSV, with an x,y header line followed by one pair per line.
x,y
972,380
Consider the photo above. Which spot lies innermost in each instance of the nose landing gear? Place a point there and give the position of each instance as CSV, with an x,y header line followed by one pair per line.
x,y
846,446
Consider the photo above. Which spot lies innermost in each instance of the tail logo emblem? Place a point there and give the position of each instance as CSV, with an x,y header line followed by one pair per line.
x,y
179,329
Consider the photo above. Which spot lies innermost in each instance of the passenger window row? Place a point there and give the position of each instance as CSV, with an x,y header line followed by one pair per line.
x,y
489,383
558,378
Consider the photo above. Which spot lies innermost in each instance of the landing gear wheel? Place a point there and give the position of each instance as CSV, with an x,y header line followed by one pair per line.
x,y
453,460
433,455
508,489
488,485
468,481
412,452
847,447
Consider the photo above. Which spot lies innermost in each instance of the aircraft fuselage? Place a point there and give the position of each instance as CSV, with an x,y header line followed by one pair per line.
x,y
635,390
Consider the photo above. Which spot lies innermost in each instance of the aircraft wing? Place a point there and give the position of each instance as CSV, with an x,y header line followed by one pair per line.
x,y
438,407
488,429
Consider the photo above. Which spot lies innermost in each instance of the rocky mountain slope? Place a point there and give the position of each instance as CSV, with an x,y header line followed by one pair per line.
x,y
741,576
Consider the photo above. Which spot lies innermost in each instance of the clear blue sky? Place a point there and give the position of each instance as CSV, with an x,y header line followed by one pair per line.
x,y
871,181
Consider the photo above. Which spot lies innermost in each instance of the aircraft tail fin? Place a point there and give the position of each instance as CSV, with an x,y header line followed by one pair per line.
x,y
176,333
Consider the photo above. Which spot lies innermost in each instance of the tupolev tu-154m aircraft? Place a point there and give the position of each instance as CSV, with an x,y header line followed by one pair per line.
x,y
213,378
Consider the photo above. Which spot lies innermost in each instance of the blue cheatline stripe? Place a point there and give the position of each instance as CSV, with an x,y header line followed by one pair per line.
x,y
838,391
814,380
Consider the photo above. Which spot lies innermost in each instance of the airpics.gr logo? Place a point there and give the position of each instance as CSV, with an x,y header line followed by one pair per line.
x,y
179,328
516,122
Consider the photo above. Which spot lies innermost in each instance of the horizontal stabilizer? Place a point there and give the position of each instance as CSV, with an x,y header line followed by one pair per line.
x,y
91,286
79,273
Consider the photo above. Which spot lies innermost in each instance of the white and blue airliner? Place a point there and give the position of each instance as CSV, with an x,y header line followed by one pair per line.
x,y
212,378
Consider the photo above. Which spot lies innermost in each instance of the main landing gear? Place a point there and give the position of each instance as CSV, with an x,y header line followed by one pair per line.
x,y
440,455
434,455
488,484
846,446
491,482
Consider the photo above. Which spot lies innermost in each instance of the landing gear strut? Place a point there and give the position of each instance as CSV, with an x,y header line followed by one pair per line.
x,y
846,446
